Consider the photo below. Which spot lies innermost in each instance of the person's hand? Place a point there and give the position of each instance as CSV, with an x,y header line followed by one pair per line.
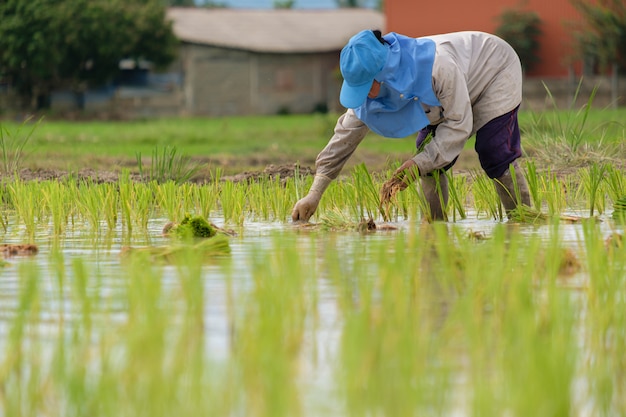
x,y
402,177
407,172
305,207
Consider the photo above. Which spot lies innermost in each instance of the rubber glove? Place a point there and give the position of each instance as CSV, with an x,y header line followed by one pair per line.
x,y
306,206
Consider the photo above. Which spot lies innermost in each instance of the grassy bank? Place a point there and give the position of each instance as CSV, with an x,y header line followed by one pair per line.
x,y
235,144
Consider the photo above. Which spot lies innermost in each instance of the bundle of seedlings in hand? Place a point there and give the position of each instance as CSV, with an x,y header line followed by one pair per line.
x,y
390,188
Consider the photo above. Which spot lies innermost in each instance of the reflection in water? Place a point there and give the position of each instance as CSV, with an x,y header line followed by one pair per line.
x,y
316,322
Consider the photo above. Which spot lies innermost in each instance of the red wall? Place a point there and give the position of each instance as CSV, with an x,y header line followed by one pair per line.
x,y
420,18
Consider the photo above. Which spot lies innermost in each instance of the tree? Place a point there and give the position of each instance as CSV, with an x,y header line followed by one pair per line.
x,y
522,31
180,3
349,3
602,36
48,44
284,4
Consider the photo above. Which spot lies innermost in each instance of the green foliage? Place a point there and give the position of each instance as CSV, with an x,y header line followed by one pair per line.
x,y
568,137
602,36
46,44
619,209
284,4
180,3
348,3
521,30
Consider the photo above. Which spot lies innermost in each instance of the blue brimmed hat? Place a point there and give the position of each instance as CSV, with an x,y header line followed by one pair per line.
x,y
361,59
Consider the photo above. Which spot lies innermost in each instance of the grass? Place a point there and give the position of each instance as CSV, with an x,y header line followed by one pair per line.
x,y
167,165
237,144
574,136
227,144
12,144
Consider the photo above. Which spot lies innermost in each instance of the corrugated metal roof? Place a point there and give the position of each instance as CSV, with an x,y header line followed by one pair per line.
x,y
278,30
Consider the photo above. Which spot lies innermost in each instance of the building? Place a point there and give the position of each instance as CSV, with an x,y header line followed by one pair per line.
x,y
560,69
235,62
556,52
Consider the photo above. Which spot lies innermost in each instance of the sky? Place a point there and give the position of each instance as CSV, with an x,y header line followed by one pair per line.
x,y
299,4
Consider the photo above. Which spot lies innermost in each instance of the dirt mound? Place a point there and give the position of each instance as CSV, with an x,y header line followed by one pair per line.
x,y
271,171
101,177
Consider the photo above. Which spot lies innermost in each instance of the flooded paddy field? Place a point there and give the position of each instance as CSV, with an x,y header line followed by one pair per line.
x,y
479,315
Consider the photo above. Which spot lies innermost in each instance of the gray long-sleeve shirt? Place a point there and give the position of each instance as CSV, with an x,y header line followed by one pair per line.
x,y
476,78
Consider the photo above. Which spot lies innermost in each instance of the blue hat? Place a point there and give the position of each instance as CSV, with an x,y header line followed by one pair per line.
x,y
361,59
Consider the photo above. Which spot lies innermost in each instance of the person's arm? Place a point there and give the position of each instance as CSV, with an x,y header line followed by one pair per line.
x,y
454,131
349,132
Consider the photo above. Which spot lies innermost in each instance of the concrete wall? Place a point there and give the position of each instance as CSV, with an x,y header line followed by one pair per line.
x,y
222,82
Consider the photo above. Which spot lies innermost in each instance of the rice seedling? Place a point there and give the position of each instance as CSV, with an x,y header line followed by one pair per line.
x,y
591,180
143,204
205,198
19,373
619,209
25,198
90,204
176,252
168,197
458,190
233,199
555,193
393,355
57,201
269,332
411,203
335,219
137,201
485,196
605,321
616,188
366,193
167,165
270,198
126,197
109,198
12,145
428,320
258,199
533,181
525,214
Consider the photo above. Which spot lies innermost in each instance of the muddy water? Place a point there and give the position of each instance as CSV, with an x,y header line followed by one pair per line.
x,y
102,257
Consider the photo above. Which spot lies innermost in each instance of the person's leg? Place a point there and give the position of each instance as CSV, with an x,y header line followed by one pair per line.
x,y
512,189
498,147
436,196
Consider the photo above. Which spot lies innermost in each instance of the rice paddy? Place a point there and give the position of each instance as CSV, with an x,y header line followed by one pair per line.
x,y
362,312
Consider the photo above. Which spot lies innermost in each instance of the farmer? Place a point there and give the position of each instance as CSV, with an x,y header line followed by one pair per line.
x,y
445,88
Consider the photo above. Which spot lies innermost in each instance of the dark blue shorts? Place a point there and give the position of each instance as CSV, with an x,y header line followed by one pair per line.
x,y
497,143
